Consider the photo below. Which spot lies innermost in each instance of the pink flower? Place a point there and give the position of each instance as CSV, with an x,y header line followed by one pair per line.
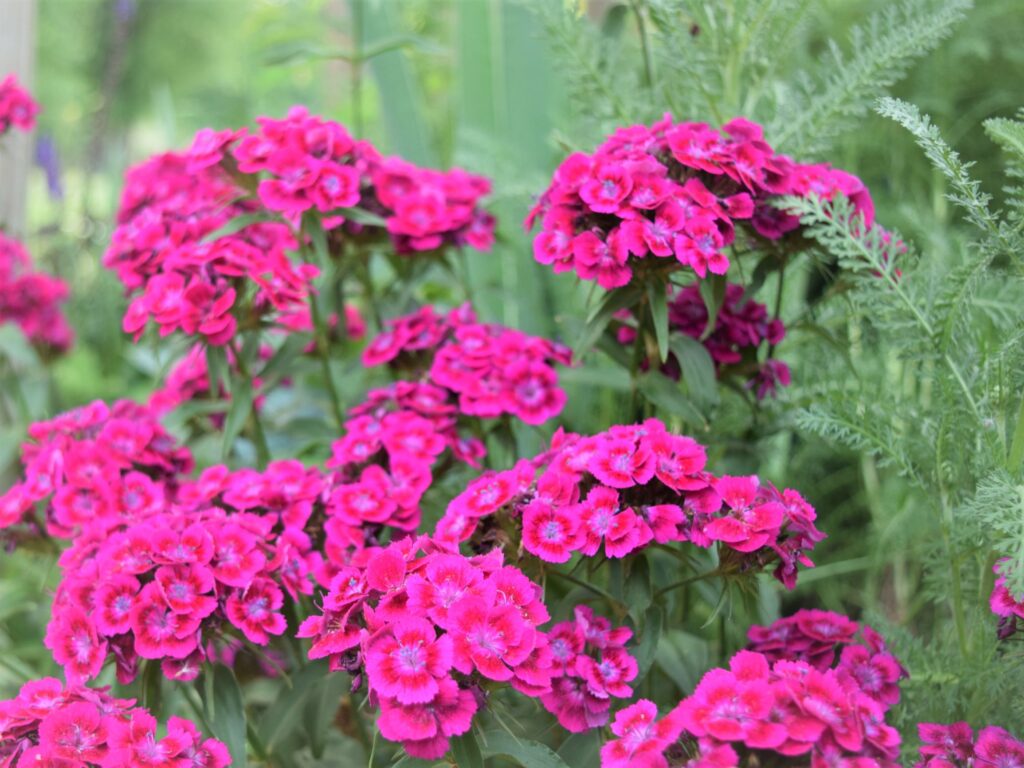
x,y
491,639
424,729
608,186
548,532
74,732
609,675
642,740
254,610
621,463
746,525
158,630
406,661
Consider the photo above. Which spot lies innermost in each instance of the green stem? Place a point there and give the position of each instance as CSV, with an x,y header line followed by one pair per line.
x,y
1016,454
587,586
323,352
357,66
684,582
258,433
644,44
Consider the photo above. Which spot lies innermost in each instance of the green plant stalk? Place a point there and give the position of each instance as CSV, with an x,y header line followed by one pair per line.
x,y
645,46
259,435
323,352
1016,454
357,66
685,582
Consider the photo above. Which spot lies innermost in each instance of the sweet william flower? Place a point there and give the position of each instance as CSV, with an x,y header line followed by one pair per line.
x,y
406,660
491,639
254,610
642,738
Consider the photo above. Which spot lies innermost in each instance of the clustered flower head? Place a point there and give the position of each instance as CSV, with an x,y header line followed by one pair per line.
x,y
17,107
675,193
184,277
590,667
304,162
385,462
32,299
96,468
623,489
491,370
1005,604
815,637
786,708
955,746
48,724
185,583
431,631
741,327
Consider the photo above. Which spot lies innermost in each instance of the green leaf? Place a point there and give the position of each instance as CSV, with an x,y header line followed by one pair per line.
x,y
238,223
698,369
712,290
614,21
222,702
466,751
613,301
359,216
529,754
238,413
279,364
321,709
647,648
287,714
1008,134
665,394
657,299
638,587
582,750
216,367
314,230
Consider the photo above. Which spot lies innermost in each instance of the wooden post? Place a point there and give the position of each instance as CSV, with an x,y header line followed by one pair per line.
x,y
17,56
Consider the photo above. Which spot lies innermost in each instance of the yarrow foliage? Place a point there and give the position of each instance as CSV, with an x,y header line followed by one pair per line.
x,y
17,107
677,193
32,299
489,370
624,489
48,724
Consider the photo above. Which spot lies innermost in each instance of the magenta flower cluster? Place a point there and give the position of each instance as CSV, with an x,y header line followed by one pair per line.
x,y
17,107
48,724
184,277
304,162
490,370
187,246
955,746
431,630
633,485
32,299
785,697
96,468
677,193
814,637
590,666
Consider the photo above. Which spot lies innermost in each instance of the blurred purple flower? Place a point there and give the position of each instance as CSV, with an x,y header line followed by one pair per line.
x,y
49,161
124,10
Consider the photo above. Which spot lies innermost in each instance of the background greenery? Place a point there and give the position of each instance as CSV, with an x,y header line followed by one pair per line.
x,y
506,88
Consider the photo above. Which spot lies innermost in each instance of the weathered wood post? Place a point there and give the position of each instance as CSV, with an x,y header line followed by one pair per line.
x,y
17,55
